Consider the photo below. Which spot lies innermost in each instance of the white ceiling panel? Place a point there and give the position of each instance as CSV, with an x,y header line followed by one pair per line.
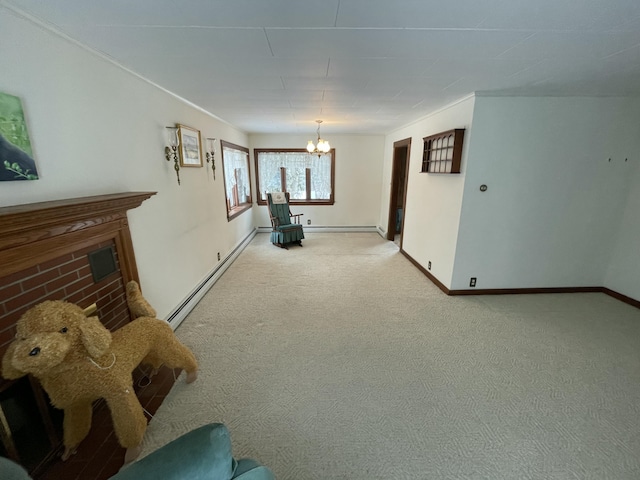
x,y
171,42
469,67
424,84
325,83
572,45
213,13
380,67
412,13
403,43
362,66
558,15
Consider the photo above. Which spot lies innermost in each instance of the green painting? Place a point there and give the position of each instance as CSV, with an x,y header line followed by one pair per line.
x,y
16,155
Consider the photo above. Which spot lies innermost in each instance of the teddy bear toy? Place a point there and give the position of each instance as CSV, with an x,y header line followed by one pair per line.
x,y
77,361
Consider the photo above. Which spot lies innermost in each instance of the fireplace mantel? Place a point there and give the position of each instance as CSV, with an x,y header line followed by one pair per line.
x,y
37,232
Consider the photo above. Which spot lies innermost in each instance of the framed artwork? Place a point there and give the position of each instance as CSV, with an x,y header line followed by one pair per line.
x,y
16,156
190,150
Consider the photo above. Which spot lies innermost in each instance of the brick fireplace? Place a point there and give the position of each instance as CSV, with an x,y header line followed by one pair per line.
x,y
79,250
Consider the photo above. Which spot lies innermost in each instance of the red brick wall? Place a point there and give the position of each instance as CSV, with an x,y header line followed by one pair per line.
x,y
64,278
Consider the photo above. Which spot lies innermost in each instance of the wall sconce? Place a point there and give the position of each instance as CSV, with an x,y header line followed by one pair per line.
x,y
171,151
211,150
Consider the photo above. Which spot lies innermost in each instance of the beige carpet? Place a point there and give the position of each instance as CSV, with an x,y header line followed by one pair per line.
x,y
340,360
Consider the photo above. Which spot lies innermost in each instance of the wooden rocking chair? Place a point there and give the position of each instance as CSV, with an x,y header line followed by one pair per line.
x,y
284,231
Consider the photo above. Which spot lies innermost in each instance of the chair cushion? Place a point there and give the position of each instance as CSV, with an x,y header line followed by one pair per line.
x,y
203,453
10,470
281,212
291,226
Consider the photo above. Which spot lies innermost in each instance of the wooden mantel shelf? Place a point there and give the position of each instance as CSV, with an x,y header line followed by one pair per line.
x,y
40,214
37,232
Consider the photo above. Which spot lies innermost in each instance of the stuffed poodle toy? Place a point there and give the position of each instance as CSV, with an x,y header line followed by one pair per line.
x,y
77,360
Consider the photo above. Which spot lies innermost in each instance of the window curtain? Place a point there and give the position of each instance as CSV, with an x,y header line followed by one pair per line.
x,y
236,171
295,165
321,178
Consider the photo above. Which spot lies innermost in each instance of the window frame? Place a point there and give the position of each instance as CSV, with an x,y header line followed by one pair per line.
x,y
233,212
292,201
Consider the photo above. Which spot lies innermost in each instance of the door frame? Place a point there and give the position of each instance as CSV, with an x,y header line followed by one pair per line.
x,y
397,161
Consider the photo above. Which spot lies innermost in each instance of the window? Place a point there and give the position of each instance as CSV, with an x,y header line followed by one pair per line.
x,y
237,187
442,152
309,178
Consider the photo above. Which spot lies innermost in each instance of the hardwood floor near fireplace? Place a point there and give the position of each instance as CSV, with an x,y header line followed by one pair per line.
x,y
100,456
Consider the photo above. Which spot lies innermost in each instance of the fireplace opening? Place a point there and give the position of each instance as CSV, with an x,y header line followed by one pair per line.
x,y
31,428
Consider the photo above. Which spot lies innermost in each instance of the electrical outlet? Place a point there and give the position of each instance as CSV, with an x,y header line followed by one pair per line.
x,y
308,222
429,265
218,256
472,282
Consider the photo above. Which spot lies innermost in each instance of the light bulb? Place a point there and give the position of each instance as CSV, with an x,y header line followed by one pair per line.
x,y
172,136
323,146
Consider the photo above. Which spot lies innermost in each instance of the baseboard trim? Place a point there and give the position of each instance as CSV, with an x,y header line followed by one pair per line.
x,y
428,274
623,298
520,291
329,229
180,313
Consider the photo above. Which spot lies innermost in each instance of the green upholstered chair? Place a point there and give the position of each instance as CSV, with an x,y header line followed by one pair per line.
x,y
9,470
283,230
201,454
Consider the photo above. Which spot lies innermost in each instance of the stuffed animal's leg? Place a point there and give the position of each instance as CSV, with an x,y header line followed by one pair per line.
x,y
175,355
129,421
76,426
154,361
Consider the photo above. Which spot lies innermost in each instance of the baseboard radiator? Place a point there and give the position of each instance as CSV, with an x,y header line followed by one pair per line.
x,y
176,317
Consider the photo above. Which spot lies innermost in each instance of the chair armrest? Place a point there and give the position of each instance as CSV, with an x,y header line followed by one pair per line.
x,y
296,216
203,453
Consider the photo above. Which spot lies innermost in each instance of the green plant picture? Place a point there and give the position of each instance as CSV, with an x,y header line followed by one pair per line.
x,y
16,155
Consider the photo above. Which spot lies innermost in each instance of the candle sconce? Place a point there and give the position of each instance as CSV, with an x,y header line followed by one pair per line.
x,y
211,150
171,151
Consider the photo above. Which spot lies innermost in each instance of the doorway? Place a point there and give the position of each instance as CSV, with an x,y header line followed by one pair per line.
x,y
398,199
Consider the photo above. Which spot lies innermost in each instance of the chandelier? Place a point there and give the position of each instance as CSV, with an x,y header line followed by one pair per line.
x,y
321,147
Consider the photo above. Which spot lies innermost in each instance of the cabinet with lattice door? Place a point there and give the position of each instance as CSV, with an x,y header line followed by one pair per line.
x,y
442,152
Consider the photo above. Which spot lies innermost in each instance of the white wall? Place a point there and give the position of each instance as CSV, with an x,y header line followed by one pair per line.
x,y
432,211
98,129
554,204
358,176
623,274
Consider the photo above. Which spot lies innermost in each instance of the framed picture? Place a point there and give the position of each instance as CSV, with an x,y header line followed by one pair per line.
x,y
190,151
16,156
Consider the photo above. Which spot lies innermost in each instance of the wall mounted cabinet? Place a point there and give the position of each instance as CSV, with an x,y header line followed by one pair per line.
x,y
442,152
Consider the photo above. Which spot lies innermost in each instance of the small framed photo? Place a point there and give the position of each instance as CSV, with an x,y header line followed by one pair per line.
x,y
190,146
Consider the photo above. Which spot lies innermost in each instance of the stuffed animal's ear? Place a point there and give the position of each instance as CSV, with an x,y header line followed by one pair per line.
x,y
8,370
95,336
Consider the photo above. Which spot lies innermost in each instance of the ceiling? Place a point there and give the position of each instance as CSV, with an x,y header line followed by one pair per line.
x,y
362,66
